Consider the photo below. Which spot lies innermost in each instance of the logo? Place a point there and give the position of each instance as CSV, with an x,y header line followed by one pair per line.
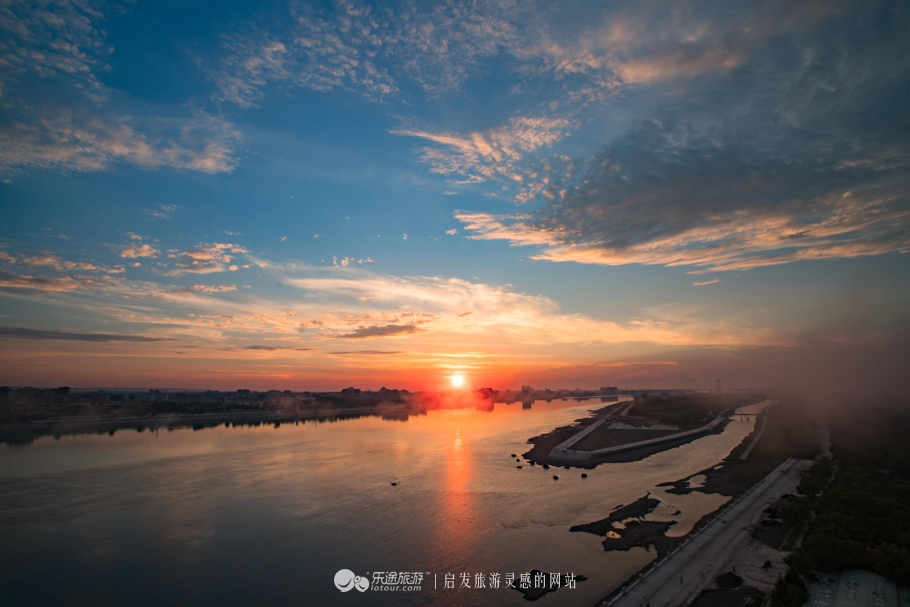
x,y
345,580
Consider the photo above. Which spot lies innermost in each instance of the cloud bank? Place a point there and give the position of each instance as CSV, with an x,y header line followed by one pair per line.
x,y
796,148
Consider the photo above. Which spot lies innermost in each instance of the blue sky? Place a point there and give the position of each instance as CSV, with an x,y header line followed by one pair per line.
x,y
300,194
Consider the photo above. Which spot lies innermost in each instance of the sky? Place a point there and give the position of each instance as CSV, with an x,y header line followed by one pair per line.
x,y
311,195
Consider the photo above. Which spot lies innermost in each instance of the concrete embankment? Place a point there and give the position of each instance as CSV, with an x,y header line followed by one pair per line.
x,y
564,450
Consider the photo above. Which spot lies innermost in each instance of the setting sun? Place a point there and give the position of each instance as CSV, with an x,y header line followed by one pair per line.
x,y
457,381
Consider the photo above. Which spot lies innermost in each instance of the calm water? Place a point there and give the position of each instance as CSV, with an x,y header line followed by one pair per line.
x,y
239,516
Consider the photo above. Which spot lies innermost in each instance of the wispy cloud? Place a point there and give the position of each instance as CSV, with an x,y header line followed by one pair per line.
x,y
205,259
265,348
206,289
381,331
412,307
365,353
135,251
493,154
707,282
46,259
86,126
164,211
10,280
82,140
712,178
352,45
41,334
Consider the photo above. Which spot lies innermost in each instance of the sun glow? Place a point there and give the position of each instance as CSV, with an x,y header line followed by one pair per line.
x,y
457,381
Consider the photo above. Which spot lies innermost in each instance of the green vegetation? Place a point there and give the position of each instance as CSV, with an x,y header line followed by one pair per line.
x,y
796,511
685,409
877,440
863,518
790,432
756,600
863,523
790,590
815,480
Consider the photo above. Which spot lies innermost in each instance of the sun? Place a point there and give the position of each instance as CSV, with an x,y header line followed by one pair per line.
x,y
457,381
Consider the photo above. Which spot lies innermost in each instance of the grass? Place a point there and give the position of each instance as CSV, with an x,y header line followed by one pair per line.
x,y
790,540
685,409
757,599
790,432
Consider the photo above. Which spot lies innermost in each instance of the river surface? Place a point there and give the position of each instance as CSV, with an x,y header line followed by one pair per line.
x,y
262,515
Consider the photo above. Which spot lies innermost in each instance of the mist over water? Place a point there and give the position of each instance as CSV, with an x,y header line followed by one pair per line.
x,y
233,516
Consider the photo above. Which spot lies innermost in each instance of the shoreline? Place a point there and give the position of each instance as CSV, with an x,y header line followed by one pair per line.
x,y
543,444
730,477
23,433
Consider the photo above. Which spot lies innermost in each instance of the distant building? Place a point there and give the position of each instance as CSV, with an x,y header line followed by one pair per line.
x,y
526,389
350,392
388,394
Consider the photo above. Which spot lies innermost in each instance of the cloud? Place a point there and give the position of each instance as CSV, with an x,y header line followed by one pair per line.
x,y
71,47
205,259
580,56
40,334
365,353
795,151
346,261
9,280
195,289
165,211
452,232
265,348
84,125
707,282
494,154
44,259
68,139
355,46
381,331
135,251
424,306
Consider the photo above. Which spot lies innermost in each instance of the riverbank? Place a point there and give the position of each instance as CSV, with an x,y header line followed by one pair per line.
x,y
603,437
786,434
25,432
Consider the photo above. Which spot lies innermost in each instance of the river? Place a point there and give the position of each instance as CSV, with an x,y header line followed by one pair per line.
x,y
262,515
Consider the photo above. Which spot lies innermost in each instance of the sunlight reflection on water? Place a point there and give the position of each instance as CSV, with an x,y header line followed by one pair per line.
x,y
261,514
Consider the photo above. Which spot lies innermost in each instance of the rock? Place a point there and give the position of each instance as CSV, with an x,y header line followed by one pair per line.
x,y
519,467
583,475
394,484
555,478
